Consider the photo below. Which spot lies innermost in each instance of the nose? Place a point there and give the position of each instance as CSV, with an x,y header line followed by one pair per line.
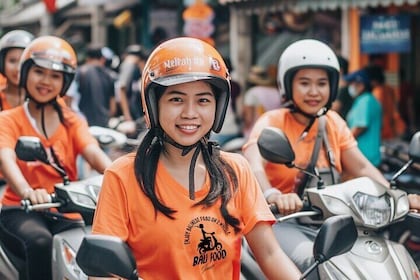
x,y
313,89
189,110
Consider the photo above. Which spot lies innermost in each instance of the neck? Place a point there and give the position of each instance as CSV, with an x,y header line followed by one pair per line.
x,y
174,155
300,118
35,109
11,89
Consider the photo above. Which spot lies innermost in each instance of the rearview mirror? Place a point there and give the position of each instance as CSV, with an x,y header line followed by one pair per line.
x,y
106,256
30,148
274,146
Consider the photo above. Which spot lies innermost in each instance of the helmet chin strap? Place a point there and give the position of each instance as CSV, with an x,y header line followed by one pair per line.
x,y
311,118
41,106
201,144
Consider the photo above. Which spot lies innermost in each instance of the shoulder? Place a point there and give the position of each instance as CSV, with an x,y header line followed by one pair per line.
x,y
16,113
237,161
123,163
334,118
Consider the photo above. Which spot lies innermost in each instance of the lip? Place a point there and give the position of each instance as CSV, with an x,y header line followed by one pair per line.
x,y
188,126
43,91
312,102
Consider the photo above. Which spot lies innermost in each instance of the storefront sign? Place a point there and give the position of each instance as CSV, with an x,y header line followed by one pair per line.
x,y
385,33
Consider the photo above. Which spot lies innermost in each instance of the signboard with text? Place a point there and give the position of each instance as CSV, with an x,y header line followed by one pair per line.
x,y
385,33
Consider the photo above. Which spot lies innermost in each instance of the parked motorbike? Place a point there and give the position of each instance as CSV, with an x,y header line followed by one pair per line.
x,y
108,256
69,197
374,208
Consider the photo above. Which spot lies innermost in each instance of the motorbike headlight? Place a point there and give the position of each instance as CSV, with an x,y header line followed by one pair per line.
x,y
375,211
402,207
69,257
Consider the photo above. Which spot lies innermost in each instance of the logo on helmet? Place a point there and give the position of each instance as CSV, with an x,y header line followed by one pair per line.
x,y
57,55
176,62
214,64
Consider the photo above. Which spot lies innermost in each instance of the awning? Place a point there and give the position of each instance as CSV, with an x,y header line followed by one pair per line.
x,y
34,12
257,6
30,14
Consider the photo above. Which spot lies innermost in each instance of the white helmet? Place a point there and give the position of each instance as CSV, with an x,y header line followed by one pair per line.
x,y
308,53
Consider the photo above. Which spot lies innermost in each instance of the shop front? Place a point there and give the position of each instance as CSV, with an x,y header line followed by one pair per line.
x,y
360,31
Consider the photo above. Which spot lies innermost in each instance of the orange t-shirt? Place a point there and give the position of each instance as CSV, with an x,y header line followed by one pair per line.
x,y
4,104
67,142
339,136
392,123
197,244
3,82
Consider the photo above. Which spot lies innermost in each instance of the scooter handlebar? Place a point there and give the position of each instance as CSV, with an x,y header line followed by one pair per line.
x,y
27,205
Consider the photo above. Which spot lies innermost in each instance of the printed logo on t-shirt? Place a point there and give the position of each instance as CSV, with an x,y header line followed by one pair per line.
x,y
209,248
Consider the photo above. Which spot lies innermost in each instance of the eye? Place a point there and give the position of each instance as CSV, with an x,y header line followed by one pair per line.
x,y
38,70
204,100
176,99
56,76
323,83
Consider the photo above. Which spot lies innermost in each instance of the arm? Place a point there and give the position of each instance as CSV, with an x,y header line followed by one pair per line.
x,y
357,131
270,257
286,203
17,181
356,164
124,104
112,107
96,158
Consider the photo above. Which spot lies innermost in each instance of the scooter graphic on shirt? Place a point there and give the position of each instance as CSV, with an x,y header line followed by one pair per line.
x,y
209,242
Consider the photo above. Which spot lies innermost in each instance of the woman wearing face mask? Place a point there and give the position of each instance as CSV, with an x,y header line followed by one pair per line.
x,y
365,116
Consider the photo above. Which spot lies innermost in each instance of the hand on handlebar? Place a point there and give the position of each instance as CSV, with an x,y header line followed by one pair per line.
x,y
38,196
414,200
287,203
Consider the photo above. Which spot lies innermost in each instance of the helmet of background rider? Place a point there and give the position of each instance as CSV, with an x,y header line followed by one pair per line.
x,y
52,53
19,39
112,60
308,53
183,60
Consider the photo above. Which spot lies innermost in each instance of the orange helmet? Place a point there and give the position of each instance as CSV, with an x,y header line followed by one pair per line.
x,y
183,60
52,53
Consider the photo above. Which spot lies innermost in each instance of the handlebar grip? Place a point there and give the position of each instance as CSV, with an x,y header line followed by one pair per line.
x,y
27,203
274,209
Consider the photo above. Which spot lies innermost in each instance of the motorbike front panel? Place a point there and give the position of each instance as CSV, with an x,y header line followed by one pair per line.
x,y
371,258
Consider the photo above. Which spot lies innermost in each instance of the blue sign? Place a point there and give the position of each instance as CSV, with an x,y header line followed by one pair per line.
x,y
385,33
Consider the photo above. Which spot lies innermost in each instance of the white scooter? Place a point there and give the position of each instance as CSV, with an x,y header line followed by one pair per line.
x,y
374,208
78,196
108,256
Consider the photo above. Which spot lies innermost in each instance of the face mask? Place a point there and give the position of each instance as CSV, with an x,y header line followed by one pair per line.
x,y
352,91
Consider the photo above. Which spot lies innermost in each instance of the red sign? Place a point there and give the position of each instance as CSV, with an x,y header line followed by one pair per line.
x,y
50,5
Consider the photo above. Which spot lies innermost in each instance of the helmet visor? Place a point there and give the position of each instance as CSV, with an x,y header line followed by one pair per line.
x,y
53,60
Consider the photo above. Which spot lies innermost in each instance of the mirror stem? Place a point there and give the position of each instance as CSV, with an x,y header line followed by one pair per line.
x,y
309,270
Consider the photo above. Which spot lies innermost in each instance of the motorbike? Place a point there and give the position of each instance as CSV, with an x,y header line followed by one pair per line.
x,y
69,197
108,256
374,208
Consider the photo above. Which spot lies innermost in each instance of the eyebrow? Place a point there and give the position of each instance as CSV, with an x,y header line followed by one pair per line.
x,y
307,78
205,93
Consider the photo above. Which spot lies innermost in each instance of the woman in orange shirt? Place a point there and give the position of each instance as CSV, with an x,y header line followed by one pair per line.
x,y
47,68
180,203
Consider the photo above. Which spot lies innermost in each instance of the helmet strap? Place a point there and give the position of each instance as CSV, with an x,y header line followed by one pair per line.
x,y
202,144
41,106
311,118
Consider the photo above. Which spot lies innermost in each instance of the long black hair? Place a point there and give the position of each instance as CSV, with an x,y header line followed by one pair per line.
x,y
223,179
